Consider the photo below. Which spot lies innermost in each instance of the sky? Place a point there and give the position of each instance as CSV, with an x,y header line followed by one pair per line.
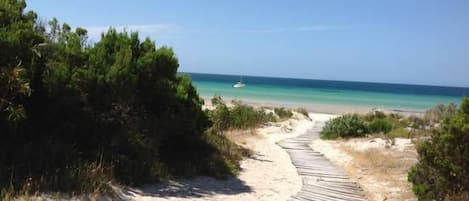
x,y
392,41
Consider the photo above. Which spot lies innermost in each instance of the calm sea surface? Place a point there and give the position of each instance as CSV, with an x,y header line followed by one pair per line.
x,y
304,91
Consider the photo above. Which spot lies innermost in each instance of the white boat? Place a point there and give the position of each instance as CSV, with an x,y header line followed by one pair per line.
x,y
239,84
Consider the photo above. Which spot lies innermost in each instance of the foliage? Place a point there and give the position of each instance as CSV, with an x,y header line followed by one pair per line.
x,y
399,133
283,113
457,197
349,125
374,115
444,159
240,116
439,113
415,122
74,115
380,126
302,111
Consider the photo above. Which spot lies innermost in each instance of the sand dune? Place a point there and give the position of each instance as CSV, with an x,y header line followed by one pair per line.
x,y
268,175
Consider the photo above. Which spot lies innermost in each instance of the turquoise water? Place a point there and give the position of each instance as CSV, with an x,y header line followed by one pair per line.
x,y
408,97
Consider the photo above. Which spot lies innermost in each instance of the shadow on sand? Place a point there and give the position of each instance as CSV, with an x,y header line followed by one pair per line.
x,y
194,188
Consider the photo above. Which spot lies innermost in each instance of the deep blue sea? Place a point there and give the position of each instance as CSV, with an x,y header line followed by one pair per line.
x,y
304,91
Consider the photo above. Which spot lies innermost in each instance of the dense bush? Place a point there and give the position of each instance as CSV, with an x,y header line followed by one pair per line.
x,y
350,125
443,166
380,126
240,116
75,115
283,113
393,125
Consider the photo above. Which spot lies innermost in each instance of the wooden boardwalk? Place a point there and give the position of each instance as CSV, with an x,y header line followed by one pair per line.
x,y
322,181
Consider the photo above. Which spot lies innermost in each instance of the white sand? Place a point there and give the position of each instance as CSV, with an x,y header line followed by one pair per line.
x,y
317,108
378,166
269,175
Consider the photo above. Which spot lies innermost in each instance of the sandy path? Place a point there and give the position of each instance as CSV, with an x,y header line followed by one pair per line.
x,y
268,175
379,168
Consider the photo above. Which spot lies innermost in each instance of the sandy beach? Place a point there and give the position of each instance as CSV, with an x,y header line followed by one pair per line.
x,y
379,166
268,175
317,108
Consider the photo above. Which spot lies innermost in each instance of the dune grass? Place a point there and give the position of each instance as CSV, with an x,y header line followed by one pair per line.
x,y
391,125
239,116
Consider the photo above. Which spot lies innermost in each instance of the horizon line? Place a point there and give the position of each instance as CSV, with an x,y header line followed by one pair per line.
x,y
368,82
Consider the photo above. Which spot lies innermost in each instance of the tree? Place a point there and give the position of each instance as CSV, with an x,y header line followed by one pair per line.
x,y
74,115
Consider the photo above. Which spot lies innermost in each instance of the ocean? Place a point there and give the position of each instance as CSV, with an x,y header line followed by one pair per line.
x,y
309,91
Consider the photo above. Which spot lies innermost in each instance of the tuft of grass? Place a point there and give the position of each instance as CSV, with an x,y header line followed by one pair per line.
x,y
87,178
240,116
283,113
380,126
302,111
226,163
439,112
399,133
374,115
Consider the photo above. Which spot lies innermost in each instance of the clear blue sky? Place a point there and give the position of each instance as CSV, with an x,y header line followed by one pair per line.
x,y
397,41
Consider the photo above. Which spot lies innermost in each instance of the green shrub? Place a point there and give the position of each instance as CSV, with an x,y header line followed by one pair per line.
x,y
244,116
350,125
283,113
443,166
399,133
380,126
240,116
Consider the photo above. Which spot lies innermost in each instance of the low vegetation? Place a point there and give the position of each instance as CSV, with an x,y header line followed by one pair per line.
x,y
283,113
443,166
380,126
391,125
382,171
350,125
239,116
441,173
303,111
439,112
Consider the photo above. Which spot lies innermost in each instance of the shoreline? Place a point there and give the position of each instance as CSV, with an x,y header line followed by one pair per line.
x,y
322,108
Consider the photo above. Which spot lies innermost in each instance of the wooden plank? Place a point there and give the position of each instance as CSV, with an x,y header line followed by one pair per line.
x,y
322,181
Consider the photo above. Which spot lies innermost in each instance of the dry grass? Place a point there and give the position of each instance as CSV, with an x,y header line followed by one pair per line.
x,y
378,165
458,197
241,137
385,166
